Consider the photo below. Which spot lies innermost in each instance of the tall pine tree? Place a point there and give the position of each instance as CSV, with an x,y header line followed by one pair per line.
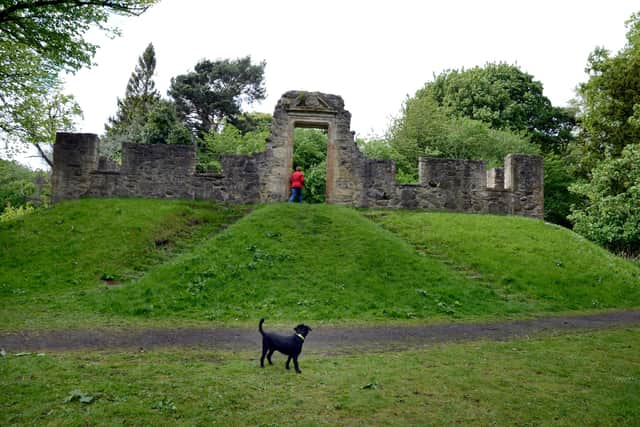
x,y
141,89
141,96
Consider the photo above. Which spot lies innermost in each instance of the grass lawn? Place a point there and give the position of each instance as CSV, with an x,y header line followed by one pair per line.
x,y
549,266
50,259
581,379
114,262
302,262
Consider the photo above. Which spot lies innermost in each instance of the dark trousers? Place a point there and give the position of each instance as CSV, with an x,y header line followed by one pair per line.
x,y
296,195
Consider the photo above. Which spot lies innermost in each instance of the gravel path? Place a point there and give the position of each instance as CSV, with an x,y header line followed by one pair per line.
x,y
322,339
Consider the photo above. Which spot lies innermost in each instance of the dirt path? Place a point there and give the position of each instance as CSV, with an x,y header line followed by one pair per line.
x,y
325,340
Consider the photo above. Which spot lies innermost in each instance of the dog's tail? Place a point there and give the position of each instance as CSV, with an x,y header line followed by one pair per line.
x,y
260,326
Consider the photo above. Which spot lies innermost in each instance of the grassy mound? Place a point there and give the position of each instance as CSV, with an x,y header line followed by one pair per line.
x,y
294,262
302,261
551,267
50,259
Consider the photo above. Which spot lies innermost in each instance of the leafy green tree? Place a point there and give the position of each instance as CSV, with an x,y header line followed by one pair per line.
x,y
54,29
38,117
426,129
611,216
558,200
609,102
162,126
253,122
310,153
141,97
506,98
310,147
18,185
38,41
216,91
232,140
376,148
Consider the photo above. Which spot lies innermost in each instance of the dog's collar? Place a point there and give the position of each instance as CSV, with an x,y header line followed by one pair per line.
x,y
300,336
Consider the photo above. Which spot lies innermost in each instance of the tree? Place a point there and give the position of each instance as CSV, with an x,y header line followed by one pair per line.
x,y
232,140
605,154
558,200
506,98
426,129
611,216
162,126
509,101
376,148
18,184
609,102
53,29
37,118
310,153
141,97
38,41
215,91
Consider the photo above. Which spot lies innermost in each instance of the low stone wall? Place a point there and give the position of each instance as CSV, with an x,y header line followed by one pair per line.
x,y
168,171
461,185
156,171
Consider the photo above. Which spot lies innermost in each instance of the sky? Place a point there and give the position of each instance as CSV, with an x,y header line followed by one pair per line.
x,y
372,53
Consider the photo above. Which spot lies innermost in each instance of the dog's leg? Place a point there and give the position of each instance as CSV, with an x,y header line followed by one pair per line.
x,y
295,364
269,356
288,360
264,352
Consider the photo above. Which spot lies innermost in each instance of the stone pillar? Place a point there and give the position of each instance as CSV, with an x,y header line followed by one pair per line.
x,y
524,177
75,158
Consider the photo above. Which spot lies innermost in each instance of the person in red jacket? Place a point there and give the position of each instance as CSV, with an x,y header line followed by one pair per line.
x,y
297,182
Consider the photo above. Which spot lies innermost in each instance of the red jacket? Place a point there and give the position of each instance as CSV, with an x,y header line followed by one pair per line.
x,y
297,180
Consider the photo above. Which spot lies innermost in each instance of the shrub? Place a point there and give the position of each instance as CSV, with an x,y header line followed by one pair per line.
x,y
611,216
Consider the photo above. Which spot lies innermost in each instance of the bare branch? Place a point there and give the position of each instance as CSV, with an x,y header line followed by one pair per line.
x,y
44,155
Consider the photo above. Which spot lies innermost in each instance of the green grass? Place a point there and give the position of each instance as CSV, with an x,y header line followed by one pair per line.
x,y
312,262
50,259
552,267
585,379
326,264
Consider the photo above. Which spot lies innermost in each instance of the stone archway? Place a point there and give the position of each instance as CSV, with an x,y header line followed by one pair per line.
x,y
310,110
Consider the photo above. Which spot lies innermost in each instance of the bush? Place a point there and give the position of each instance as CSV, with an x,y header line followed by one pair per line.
x,y
611,216
558,200
11,213
315,183
18,185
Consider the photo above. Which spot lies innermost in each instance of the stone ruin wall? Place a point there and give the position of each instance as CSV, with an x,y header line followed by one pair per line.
x,y
169,171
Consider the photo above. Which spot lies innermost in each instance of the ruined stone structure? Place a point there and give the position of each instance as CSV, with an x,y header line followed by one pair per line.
x,y
352,178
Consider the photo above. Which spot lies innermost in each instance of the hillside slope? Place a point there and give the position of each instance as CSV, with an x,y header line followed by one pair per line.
x,y
50,259
552,267
330,263
295,262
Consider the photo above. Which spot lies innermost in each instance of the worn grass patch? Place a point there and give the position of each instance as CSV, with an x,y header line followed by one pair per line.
x,y
586,379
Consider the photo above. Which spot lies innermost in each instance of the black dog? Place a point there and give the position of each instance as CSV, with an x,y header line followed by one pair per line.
x,y
291,345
